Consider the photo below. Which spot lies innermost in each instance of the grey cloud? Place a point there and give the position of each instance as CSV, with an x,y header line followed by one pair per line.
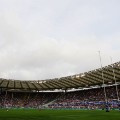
x,y
42,40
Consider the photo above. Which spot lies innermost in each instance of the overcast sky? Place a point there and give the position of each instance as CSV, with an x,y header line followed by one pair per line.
x,y
43,39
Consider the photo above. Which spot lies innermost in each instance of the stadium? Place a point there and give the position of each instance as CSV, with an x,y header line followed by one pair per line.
x,y
59,60
89,91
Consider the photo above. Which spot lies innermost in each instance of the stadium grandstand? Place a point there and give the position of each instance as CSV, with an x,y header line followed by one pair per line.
x,y
88,90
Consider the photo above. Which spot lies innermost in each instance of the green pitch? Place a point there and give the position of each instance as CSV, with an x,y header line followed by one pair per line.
x,y
58,115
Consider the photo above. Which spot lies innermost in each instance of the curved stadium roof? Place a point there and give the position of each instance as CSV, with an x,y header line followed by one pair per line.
x,y
87,79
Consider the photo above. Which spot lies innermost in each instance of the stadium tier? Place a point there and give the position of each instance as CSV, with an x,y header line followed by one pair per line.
x,y
108,73
81,99
89,90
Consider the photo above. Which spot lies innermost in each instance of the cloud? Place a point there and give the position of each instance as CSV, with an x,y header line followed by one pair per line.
x,y
48,39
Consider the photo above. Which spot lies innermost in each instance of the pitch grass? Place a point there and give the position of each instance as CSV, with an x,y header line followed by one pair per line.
x,y
58,115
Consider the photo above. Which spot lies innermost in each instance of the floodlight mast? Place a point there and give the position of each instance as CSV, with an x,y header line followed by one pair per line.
x,y
103,78
114,77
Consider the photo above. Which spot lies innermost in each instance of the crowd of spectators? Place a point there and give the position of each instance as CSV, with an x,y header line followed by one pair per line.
x,y
82,99
25,99
88,99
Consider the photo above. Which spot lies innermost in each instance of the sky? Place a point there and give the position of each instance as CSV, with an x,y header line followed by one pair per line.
x,y
45,39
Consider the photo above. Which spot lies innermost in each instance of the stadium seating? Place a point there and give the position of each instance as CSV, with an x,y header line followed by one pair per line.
x,y
87,99
88,92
